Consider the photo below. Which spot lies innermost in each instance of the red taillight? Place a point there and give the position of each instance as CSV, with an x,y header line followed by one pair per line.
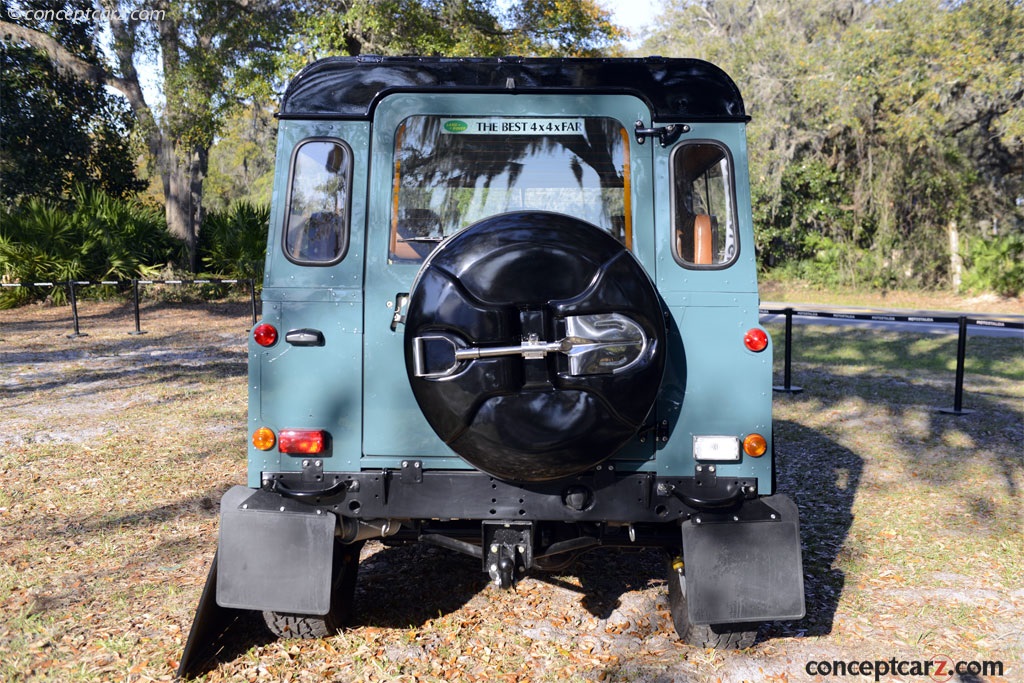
x,y
756,339
301,441
265,334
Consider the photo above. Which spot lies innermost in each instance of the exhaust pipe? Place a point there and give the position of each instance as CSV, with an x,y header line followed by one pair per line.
x,y
356,530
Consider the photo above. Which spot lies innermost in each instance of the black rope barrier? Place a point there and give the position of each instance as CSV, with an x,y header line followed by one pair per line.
x,y
961,347
789,313
72,286
135,297
787,371
897,318
74,308
961,355
82,283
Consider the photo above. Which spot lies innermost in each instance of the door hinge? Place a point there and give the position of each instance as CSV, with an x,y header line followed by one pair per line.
x,y
666,134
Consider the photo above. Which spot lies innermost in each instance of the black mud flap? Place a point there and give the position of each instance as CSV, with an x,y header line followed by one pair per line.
x,y
209,627
748,570
274,554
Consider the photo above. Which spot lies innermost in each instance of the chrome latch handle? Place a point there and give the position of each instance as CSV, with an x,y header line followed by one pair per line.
x,y
604,343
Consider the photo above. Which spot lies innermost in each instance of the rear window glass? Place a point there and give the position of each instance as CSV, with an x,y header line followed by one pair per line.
x,y
451,172
316,228
704,213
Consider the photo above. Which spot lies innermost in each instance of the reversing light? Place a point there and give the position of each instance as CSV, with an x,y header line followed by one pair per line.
x,y
265,334
755,445
756,339
716,448
263,439
301,441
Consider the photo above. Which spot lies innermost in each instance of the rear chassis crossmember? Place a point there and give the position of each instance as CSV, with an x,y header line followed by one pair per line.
x,y
602,495
276,548
511,527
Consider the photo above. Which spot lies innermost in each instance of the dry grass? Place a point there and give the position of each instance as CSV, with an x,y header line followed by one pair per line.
x,y
114,451
795,292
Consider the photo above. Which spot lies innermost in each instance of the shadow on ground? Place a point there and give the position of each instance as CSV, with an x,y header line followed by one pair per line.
x,y
407,586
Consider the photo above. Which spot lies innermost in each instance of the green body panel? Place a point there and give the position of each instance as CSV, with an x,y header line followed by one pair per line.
x,y
312,387
355,386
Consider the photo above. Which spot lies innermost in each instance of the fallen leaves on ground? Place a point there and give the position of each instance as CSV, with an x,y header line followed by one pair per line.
x,y
115,450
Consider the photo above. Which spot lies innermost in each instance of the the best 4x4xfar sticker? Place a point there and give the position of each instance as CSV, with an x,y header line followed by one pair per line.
x,y
496,125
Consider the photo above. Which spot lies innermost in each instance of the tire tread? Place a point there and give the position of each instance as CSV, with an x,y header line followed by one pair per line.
x,y
717,636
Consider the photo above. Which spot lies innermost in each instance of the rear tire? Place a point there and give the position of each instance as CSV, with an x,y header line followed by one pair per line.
x,y
719,636
343,587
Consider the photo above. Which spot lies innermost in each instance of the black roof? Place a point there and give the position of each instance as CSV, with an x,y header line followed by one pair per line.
x,y
675,89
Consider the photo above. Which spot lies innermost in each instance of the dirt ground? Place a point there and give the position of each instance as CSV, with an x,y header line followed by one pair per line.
x,y
115,450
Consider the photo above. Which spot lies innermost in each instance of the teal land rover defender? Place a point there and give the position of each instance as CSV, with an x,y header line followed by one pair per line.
x,y
510,309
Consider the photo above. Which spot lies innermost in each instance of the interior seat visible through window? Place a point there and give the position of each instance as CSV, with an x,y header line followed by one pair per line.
x,y
704,216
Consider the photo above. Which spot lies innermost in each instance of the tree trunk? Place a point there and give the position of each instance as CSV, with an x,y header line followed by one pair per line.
x,y
182,175
956,262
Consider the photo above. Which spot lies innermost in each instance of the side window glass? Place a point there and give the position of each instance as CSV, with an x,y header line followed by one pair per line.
x,y
316,227
703,215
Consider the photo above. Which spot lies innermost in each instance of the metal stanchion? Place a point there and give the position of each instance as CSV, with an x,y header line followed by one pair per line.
x,y
787,371
74,310
135,296
961,355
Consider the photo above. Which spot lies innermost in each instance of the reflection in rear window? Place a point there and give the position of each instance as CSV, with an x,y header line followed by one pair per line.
x,y
452,172
317,227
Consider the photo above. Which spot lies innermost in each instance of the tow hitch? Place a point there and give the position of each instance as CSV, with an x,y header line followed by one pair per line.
x,y
508,551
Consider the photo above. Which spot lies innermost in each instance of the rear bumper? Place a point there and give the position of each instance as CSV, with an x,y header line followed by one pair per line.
x,y
743,562
602,495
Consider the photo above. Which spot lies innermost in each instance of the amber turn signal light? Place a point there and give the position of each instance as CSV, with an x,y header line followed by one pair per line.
x,y
263,439
755,445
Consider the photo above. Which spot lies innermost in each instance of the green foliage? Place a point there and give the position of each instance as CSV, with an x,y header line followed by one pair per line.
x,y
995,265
242,159
92,236
454,28
812,204
122,239
233,243
214,54
563,28
38,243
55,130
828,264
875,126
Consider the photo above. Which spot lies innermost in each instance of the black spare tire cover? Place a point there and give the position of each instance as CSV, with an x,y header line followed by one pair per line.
x,y
534,344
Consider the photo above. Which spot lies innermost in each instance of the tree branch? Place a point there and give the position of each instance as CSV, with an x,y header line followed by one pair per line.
x,y
77,67
62,59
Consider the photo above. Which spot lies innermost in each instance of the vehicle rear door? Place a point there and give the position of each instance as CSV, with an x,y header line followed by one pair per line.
x,y
393,426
